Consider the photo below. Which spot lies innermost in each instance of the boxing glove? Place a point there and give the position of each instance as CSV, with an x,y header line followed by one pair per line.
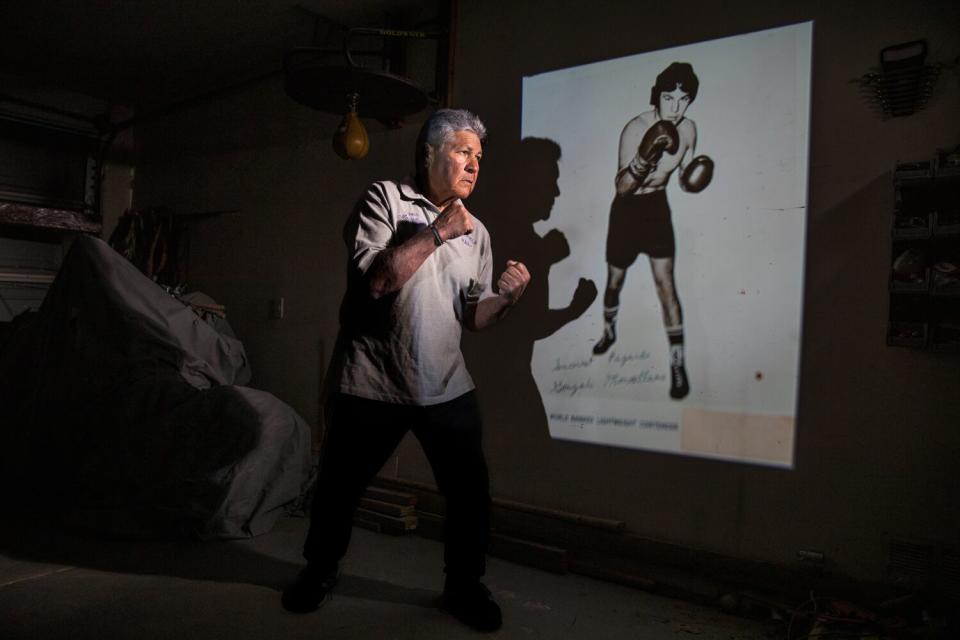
x,y
697,175
660,137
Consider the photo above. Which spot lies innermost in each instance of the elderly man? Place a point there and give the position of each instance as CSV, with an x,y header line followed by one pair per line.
x,y
419,268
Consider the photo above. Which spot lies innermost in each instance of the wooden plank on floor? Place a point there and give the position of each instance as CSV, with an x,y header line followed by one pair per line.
x,y
364,523
430,525
387,508
389,524
392,496
428,493
541,556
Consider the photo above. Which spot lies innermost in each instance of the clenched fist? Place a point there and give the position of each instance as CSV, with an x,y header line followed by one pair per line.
x,y
513,281
555,245
455,221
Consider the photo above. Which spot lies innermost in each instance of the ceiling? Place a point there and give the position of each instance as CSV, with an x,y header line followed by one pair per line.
x,y
146,53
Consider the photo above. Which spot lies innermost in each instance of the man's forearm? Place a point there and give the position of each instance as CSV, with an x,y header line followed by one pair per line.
x,y
487,312
393,267
626,182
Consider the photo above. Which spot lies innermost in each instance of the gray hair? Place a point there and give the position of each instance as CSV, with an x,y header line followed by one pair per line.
x,y
441,127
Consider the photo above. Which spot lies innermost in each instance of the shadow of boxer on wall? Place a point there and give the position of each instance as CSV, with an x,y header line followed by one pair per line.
x,y
523,194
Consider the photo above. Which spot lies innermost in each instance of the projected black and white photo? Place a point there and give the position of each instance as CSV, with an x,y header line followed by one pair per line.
x,y
682,185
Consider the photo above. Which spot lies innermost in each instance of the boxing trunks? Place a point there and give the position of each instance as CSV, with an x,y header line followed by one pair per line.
x,y
639,224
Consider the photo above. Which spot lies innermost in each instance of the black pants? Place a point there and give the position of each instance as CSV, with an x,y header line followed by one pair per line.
x,y
361,435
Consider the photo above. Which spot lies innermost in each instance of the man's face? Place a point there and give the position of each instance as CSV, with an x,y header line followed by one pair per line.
x,y
455,168
673,104
544,191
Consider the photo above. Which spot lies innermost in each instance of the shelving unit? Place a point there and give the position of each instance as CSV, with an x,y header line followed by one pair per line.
x,y
925,255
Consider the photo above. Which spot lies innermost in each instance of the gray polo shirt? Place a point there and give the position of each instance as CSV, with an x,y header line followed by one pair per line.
x,y
405,347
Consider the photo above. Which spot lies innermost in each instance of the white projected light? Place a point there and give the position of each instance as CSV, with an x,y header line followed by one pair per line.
x,y
683,185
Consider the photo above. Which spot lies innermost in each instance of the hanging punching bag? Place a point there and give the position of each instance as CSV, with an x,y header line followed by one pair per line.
x,y
350,141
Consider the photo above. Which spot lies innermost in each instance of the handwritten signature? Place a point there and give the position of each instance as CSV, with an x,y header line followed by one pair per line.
x,y
563,387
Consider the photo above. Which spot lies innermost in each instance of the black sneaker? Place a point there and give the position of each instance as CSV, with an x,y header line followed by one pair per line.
x,y
473,605
679,386
606,340
309,591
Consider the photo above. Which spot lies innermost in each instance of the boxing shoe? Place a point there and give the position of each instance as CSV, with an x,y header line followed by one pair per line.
x,y
679,386
309,591
472,604
606,340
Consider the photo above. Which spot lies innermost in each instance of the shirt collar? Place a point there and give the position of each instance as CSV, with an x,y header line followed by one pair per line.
x,y
409,191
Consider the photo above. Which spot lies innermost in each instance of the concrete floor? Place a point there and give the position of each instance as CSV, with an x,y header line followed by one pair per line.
x,y
58,586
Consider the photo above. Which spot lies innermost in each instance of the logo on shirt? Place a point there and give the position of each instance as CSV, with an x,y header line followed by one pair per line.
x,y
411,216
468,240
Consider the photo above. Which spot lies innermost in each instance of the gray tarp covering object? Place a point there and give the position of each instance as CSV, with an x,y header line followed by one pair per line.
x,y
120,412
